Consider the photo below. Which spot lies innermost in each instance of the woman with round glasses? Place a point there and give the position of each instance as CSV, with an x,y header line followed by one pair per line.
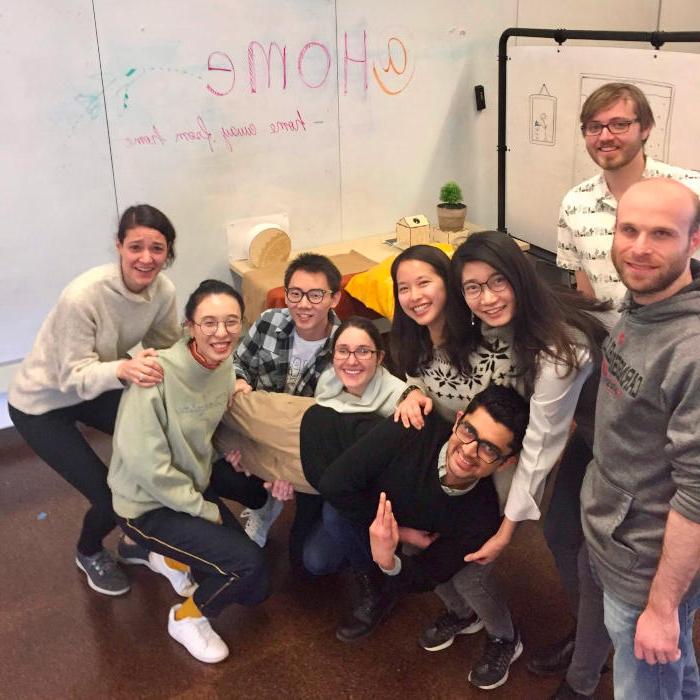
x,y
518,332
554,342
356,383
79,365
508,328
161,474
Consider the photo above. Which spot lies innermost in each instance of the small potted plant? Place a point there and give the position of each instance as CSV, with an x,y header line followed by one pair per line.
x,y
451,211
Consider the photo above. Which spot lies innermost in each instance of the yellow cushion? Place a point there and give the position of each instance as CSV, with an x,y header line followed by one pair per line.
x,y
374,287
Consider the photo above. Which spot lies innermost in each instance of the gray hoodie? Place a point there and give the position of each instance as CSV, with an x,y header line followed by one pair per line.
x,y
646,453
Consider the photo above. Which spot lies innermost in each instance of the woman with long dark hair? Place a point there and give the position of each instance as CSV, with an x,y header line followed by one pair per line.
x,y
511,329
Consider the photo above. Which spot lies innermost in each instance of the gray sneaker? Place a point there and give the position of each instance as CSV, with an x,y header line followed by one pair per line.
x,y
103,573
443,631
260,521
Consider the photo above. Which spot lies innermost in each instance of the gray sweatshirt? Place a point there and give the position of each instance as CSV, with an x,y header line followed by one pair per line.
x,y
646,452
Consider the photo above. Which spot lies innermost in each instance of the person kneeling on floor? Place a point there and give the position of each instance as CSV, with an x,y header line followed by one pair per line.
x,y
437,482
161,472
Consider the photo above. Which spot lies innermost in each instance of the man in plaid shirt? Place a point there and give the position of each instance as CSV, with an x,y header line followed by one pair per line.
x,y
285,351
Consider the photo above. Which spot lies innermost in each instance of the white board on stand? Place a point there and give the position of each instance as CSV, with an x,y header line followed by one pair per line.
x,y
546,152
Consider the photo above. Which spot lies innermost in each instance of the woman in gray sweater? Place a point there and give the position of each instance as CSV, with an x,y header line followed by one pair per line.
x,y
79,365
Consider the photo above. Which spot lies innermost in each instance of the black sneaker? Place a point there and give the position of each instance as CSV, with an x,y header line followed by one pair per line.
x,y
492,669
443,631
553,659
103,573
132,552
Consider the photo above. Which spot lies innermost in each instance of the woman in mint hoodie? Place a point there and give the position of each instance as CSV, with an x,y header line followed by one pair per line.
x,y
161,471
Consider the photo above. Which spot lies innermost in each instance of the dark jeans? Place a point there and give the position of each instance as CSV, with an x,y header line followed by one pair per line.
x,y
341,540
55,437
227,565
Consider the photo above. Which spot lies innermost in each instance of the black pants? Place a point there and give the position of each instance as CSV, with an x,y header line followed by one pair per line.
x,y
228,566
55,437
562,524
249,491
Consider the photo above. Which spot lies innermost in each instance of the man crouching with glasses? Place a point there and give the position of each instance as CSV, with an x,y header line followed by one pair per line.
x,y
434,491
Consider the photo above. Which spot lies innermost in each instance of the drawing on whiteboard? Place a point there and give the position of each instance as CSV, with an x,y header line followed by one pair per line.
x,y
660,97
543,117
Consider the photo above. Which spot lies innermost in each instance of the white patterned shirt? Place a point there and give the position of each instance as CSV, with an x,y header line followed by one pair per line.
x,y
587,223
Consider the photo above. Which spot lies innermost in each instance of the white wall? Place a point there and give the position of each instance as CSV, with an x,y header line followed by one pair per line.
x,y
457,39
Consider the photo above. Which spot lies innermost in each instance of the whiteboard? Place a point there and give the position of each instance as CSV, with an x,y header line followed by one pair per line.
x,y
57,194
546,152
343,115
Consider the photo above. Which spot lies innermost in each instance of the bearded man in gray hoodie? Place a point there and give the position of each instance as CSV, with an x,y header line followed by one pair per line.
x,y
641,495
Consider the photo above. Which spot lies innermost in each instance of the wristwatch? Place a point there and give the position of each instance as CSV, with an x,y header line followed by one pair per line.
x,y
407,391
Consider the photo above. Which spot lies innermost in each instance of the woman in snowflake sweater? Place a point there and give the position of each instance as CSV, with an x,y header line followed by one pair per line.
x,y
486,317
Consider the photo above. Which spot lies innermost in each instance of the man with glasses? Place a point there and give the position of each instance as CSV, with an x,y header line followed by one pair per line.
x,y
438,481
616,120
286,350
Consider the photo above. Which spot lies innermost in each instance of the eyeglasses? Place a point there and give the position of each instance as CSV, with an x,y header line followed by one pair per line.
x,y
617,126
210,327
361,353
315,296
496,283
485,451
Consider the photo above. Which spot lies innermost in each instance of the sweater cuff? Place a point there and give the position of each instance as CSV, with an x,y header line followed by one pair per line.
x,y
395,570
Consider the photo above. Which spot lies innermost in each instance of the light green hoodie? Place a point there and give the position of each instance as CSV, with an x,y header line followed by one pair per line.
x,y
162,439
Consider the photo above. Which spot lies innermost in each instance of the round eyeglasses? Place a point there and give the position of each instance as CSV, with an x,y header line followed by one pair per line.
x,y
485,451
210,327
617,126
315,296
361,353
496,283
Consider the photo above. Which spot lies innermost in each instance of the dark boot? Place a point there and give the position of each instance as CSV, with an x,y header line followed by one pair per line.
x,y
374,603
553,659
566,692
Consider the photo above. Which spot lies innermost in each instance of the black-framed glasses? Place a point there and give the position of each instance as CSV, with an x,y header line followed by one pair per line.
x,y
616,126
315,296
486,451
361,353
211,326
496,283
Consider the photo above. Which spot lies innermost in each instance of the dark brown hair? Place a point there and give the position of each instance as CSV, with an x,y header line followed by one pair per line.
x,y
146,215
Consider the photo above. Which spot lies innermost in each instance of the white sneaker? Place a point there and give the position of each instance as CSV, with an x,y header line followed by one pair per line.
x,y
260,521
181,581
198,637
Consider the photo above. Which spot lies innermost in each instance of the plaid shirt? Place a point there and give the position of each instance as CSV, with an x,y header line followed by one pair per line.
x,y
262,357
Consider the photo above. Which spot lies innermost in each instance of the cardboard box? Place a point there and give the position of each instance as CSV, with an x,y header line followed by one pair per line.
x,y
451,237
412,230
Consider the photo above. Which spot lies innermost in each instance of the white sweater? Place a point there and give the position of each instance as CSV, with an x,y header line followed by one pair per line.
x,y
95,322
552,406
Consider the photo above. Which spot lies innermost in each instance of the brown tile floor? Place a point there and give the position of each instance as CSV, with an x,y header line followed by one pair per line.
x,y
60,639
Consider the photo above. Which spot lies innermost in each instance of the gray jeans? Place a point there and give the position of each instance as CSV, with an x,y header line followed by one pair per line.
x,y
593,643
475,588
